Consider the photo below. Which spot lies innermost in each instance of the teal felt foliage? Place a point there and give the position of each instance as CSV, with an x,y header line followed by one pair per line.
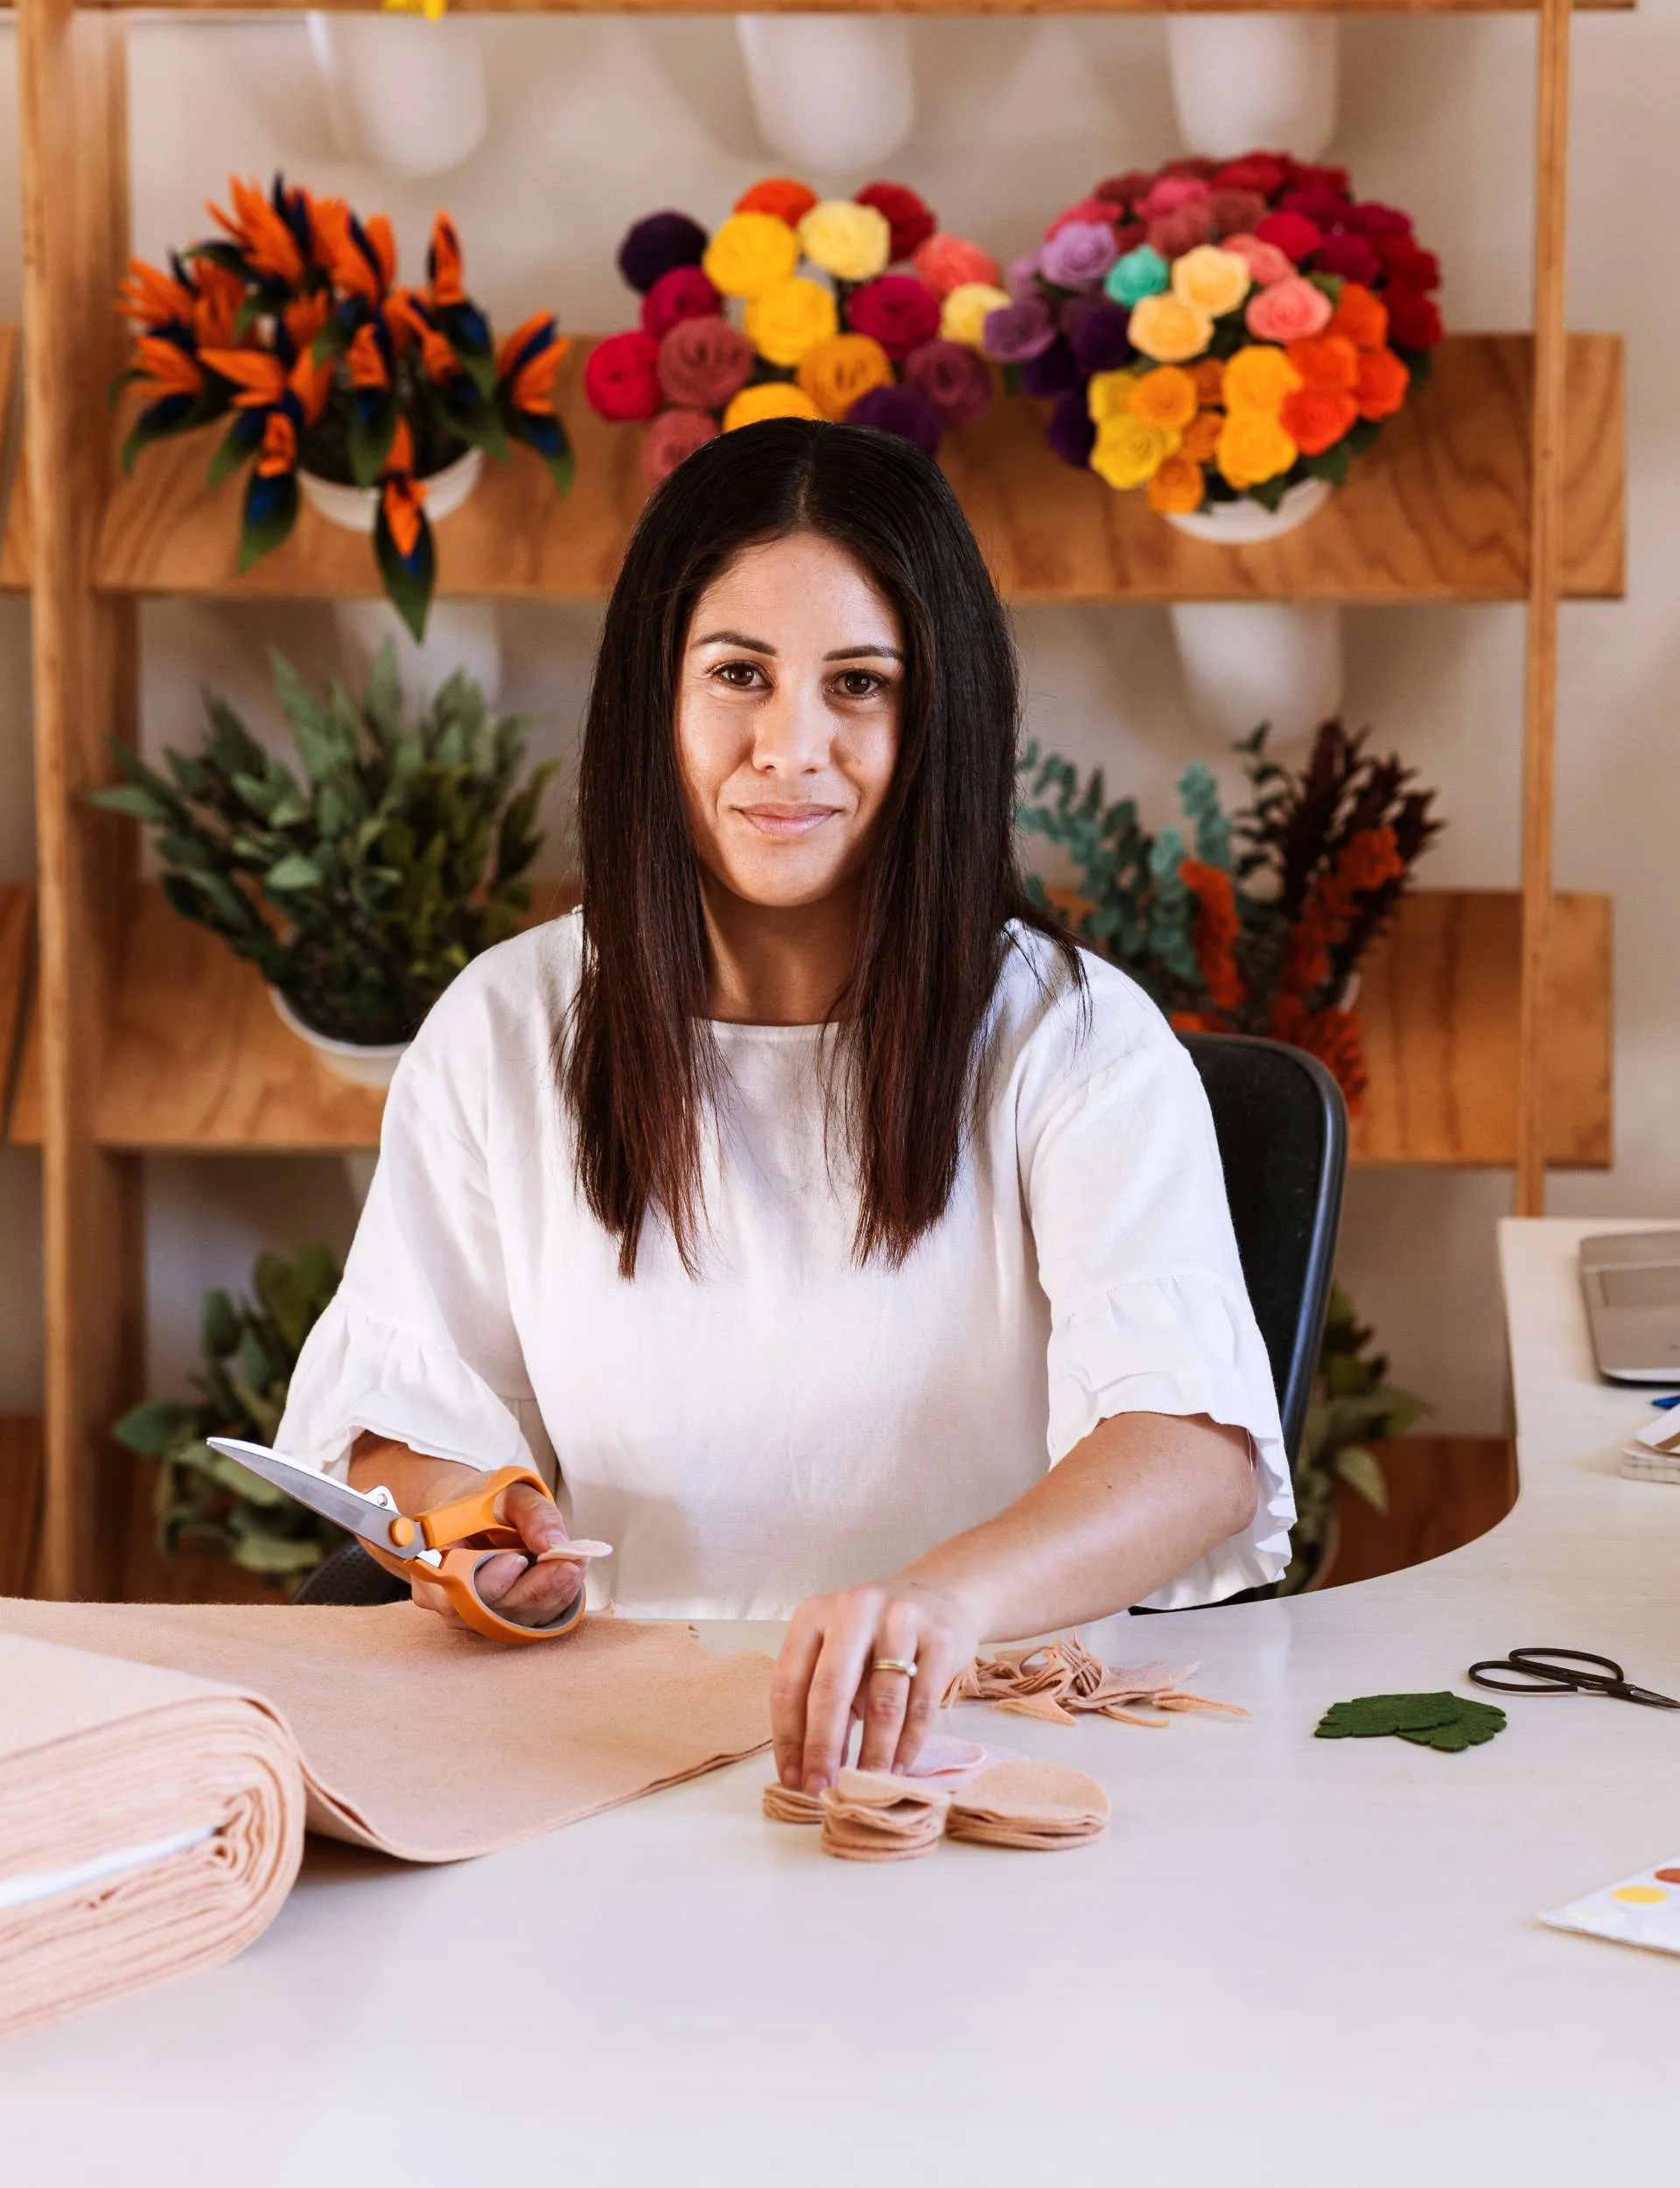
x,y
361,879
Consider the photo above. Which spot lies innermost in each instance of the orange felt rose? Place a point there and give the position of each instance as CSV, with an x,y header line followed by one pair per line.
x,y
1202,436
1176,488
1316,418
780,196
1166,397
1362,318
1329,363
1383,382
1208,373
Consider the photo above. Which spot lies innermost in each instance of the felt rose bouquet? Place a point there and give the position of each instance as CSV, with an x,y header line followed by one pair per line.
x,y
292,325
1220,329
857,308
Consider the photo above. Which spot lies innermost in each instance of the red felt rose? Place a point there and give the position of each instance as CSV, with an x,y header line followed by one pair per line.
x,y
896,310
1405,260
1236,211
621,378
904,214
1123,189
1194,165
1297,238
1373,219
1264,171
1323,208
684,293
1413,321
1352,257
1306,177
1174,234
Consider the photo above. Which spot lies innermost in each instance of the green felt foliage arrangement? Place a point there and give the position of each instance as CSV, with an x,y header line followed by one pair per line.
x,y
1445,1722
1353,1405
363,881
250,1347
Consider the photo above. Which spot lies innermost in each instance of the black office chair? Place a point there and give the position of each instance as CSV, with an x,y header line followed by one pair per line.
x,y
1282,1128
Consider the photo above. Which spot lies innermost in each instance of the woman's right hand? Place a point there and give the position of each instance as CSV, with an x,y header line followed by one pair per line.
x,y
510,1580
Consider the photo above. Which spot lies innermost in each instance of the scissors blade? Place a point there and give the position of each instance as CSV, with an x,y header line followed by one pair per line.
x,y
1644,1694
363,1516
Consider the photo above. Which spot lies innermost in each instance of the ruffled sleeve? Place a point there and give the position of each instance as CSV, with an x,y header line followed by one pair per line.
x,y
419,1344
1137,1256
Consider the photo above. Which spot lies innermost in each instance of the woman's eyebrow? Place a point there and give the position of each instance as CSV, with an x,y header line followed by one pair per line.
x,y
736,638
864,653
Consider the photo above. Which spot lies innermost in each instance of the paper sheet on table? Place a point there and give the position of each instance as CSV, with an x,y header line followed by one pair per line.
x,y
423,1741
151,1824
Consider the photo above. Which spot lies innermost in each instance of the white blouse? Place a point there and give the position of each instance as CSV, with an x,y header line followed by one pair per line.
x,y
789,1422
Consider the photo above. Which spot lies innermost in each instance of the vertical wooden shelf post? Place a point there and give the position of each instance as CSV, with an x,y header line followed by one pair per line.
x,y
72,91
1540,697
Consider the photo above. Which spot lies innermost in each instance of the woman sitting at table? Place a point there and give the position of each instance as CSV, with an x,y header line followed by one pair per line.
x,y
843,1243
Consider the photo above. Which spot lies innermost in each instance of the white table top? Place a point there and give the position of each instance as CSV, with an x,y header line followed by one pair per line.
x,y
1290,1961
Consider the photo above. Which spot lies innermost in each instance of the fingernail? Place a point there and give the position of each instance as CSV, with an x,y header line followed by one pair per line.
x,y
790,1776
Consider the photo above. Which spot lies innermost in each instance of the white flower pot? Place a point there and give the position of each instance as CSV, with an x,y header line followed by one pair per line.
x,y
1241,82
1244,523
1248,662
460,634
401,93
830,93
356,509
361,1063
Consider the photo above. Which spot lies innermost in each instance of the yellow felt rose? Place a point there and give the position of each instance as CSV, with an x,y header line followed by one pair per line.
x,y
1169,330
750,251
1129,451
1166,397
1211,280
963,316
1252,447
1108,394
789,318
771,398
1259,378
836,372
853,242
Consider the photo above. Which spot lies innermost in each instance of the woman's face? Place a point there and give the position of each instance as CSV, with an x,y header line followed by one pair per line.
x,y
787,711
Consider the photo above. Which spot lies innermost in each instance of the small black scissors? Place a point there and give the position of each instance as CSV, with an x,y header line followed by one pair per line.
x,y
1546,1671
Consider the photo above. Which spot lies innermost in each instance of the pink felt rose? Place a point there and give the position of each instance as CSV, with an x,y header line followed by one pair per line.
x,y
1237,212
1294,235
1173,191
947,262
671,439
704,363
684,293
1264,260
1183,228
1288,311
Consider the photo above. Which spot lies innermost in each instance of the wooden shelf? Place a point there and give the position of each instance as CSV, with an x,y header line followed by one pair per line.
x,y
17,939
1438,510
20,1501
11,453
1438,1005
198,1062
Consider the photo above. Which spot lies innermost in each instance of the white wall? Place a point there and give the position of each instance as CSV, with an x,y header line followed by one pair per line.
x,y
598,120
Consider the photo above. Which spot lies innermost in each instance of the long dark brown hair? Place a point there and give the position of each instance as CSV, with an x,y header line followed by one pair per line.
x,y
640,1062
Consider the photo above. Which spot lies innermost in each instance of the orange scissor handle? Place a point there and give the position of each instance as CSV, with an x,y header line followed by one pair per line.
x,y
467,1530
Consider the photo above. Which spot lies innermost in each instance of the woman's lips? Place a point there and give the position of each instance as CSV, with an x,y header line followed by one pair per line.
x,y
786,821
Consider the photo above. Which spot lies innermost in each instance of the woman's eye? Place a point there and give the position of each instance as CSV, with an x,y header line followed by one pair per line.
x,y
739,675
860,684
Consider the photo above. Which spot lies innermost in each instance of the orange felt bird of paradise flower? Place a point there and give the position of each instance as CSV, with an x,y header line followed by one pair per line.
x,y
290,326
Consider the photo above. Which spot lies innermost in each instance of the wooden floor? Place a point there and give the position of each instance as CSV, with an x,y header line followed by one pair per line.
x,y
1443,1492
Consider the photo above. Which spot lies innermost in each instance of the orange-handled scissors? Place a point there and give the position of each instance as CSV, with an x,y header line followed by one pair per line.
x,y
445,1545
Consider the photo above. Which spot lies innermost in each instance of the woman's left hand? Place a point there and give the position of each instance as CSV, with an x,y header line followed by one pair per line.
x,y
830,1672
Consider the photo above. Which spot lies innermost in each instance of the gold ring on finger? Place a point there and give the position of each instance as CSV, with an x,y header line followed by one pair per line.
x,y
895,1664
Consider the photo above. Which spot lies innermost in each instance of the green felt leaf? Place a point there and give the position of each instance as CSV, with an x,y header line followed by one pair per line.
x,y
1473,1727
1371,1716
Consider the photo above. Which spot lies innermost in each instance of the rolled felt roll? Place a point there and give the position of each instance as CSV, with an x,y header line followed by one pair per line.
x,y
151,1824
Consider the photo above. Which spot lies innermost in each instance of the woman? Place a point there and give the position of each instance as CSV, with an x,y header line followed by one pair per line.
x,y
842,1241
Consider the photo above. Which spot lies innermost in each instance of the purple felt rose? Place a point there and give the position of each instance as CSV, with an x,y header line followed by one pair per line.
x,y
1015,331
1349,255
657,244
1022,279
1078,256
1051,373
1096,333
954,378
903,410
1070,431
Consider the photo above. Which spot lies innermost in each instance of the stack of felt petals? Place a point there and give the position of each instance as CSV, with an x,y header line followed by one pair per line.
x,y
1059,1680
1045,1807
872,1816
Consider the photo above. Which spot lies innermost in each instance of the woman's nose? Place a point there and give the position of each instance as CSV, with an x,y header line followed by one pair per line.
x,y
794,730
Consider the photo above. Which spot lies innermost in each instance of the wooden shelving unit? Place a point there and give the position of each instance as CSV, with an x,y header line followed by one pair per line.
x,y
1487,1015
1438,510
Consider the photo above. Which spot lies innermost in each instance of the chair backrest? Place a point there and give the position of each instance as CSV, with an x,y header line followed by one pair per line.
x,y
1281,1127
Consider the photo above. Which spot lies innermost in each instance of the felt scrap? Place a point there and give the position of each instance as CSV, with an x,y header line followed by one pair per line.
x,y
874,1816
1040,1807
1059,1681
1450,1723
